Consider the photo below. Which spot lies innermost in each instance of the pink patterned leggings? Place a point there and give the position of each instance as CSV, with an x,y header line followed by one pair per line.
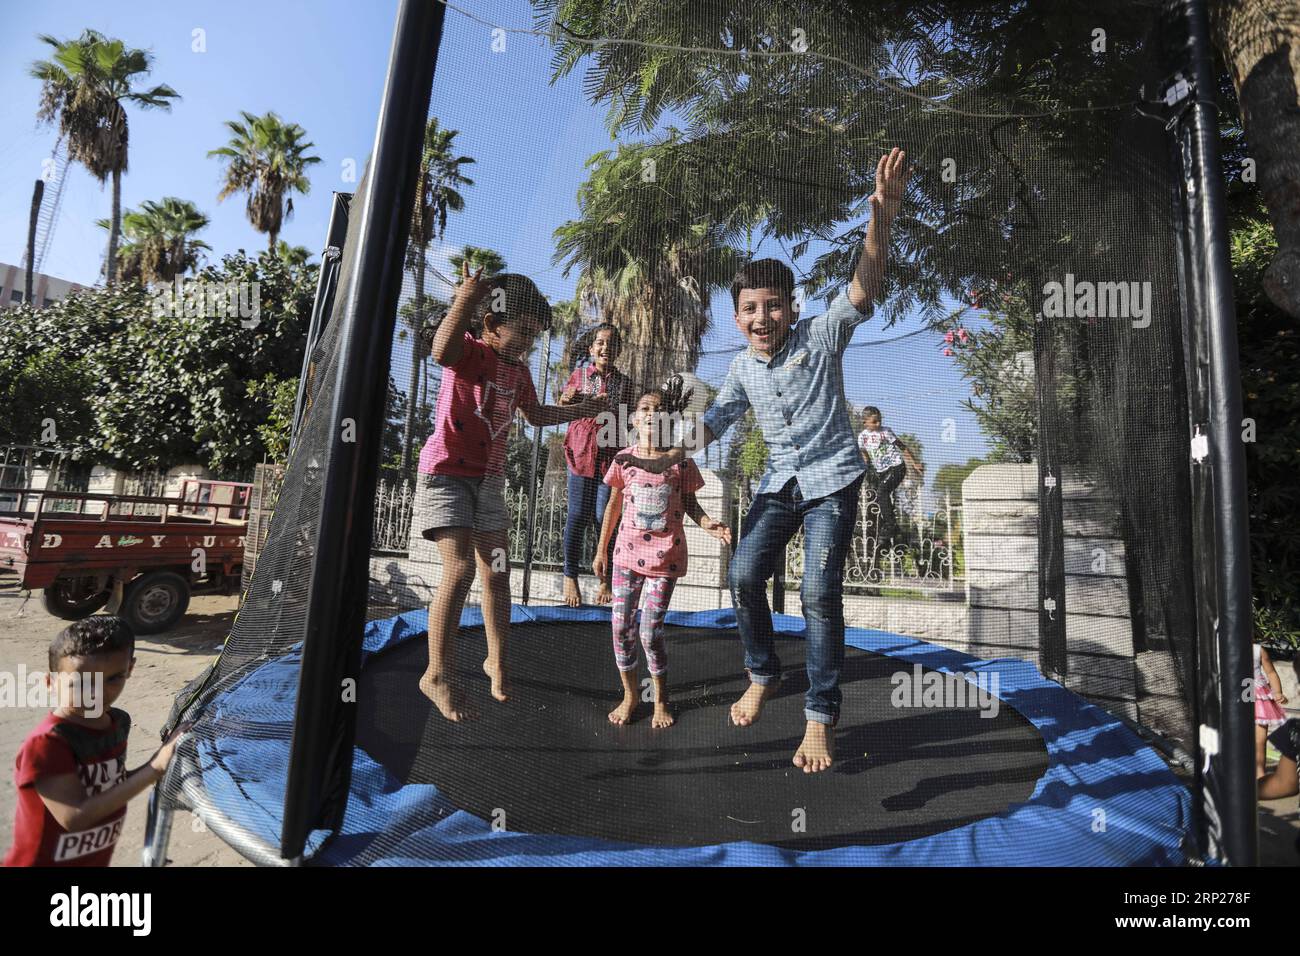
x,y
627,585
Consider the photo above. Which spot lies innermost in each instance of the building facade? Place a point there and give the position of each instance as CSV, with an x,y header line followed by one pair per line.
x,y
46,289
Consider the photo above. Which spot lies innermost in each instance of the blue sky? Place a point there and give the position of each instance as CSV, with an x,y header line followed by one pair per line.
x,y
321,64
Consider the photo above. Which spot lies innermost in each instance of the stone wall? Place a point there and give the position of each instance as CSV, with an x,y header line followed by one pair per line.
x,y
402,582
1000,510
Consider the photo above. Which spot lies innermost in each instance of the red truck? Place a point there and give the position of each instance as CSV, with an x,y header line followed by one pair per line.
x,y
140,556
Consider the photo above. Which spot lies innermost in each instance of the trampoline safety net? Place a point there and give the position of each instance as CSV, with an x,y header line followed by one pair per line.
x,y
950,411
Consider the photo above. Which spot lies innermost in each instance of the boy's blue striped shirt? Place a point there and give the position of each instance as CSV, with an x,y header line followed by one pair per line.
x,y
798,400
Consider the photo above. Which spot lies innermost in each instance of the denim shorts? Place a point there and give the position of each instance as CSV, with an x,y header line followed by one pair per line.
x,y
449,501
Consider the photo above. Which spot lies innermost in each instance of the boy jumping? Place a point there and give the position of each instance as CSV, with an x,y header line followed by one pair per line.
x,y
792,376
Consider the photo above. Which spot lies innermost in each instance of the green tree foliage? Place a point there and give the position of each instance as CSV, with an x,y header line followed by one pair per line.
x,y
789,143
1270,354
948,479
135,389
997,358
160,240
44,397
651,248
277,396
519,459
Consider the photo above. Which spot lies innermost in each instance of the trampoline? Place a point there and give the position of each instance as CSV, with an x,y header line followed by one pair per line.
x,y
1047,779
1049,337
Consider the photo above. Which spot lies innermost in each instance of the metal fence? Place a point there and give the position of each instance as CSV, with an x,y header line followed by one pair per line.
x,y
393,505
924,556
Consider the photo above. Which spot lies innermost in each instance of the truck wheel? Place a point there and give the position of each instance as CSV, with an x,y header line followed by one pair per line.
x,y
73,598
154,602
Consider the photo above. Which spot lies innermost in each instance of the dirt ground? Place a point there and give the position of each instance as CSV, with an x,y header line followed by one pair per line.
x,y
165,663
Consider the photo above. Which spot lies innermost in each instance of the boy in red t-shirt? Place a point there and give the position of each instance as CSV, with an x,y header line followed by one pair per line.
x,y
73,786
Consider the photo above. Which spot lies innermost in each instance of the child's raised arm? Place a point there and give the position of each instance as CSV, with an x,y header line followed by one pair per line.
x,y
869,274
697,514
448,341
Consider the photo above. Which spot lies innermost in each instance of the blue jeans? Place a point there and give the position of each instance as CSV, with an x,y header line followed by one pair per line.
x,y
828,532
587,500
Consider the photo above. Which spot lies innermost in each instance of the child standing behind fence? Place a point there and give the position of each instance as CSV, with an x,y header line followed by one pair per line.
x,y
651,551
460,499
586,457
890,459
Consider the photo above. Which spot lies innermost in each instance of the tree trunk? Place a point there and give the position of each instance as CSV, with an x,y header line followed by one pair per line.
x,y
1260,40
417,346
275,235
114,230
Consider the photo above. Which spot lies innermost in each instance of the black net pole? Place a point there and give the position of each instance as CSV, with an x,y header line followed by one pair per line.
x,y
320,759
330,262
1220,480
1051,534
530,525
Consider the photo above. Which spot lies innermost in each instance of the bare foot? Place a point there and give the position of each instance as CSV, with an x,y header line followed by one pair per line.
x,y
572,595
604,595
497,675
817,751
440,692
622,714
746,710
663,716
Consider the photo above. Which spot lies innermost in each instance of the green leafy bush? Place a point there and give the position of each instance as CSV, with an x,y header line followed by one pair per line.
x,y
132,384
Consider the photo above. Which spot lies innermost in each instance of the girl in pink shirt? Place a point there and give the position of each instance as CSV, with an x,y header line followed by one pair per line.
x,y
588,454
650,553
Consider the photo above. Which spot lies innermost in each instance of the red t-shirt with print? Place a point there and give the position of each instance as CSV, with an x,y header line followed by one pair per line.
x,y
56,747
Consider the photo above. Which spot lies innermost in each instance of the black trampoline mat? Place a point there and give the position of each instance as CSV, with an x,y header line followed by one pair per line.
x,y
552,763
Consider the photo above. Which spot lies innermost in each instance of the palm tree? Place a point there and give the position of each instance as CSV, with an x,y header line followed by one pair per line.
x,y
266,158
295,257
436,195
650,254
85,86
566,323
489,260
160,240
